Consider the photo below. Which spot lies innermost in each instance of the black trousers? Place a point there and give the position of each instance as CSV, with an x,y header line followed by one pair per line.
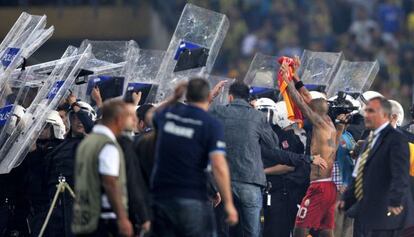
x,y
11,223
360,231
106,228
5,214
279,218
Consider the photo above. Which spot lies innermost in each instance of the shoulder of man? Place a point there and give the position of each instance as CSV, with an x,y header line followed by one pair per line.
x,y
409,136
216,107
125,142
94,136
213,121
394,136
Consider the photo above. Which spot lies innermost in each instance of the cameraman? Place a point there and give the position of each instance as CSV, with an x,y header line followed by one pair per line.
x,y
344,164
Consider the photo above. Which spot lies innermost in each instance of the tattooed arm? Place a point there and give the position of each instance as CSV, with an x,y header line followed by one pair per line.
x,y
299,101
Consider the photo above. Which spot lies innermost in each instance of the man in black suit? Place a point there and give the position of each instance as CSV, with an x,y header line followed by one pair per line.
x,y
380,194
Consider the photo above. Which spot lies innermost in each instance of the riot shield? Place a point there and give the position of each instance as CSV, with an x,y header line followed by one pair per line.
x,y
23,90
318,69
106,69
92,66
353,78
92,70
141,72
25,37
109,51
55,88
193,48
23,87
262,77
221,99
16,30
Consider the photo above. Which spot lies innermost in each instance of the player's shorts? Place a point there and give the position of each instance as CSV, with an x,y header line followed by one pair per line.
x,y
317,210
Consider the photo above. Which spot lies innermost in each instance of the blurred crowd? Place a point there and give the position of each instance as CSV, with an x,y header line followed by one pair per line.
x,y
365,30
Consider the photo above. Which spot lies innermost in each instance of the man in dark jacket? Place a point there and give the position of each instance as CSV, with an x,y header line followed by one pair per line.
x,y
380,195
138,195
144,143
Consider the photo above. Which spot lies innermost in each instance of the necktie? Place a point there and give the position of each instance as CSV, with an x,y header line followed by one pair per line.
x,y
363,159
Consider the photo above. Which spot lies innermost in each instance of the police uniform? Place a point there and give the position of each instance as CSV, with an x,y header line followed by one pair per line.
x,y
36,185
286,190
13,204
61,162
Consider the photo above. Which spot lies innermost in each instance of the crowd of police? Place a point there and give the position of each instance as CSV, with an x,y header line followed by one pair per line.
x,y
185,167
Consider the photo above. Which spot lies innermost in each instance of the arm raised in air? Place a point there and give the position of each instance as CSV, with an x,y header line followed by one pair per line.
x,y
297,98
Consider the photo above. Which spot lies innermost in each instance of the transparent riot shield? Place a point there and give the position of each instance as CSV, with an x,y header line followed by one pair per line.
x,y
193,48
222,98
25,37
23,90
262,77
353,78
110,51
92,64
141,74
318,69
88,76
19,92
106,69
8,96
16,30
92,70
31,75
56,88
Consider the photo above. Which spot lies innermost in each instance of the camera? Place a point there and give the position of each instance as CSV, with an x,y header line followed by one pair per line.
x,y
342,106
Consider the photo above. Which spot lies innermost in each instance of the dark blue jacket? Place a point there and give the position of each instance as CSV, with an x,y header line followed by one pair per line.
x,y
385,183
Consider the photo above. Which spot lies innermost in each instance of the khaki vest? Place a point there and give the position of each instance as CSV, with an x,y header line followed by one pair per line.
x,y
88,187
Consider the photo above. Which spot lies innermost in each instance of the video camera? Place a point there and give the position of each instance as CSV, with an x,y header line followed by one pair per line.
x,y
342,106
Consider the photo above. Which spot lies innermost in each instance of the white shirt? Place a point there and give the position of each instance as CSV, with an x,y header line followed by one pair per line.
x,y
377,132
376,135
108,164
